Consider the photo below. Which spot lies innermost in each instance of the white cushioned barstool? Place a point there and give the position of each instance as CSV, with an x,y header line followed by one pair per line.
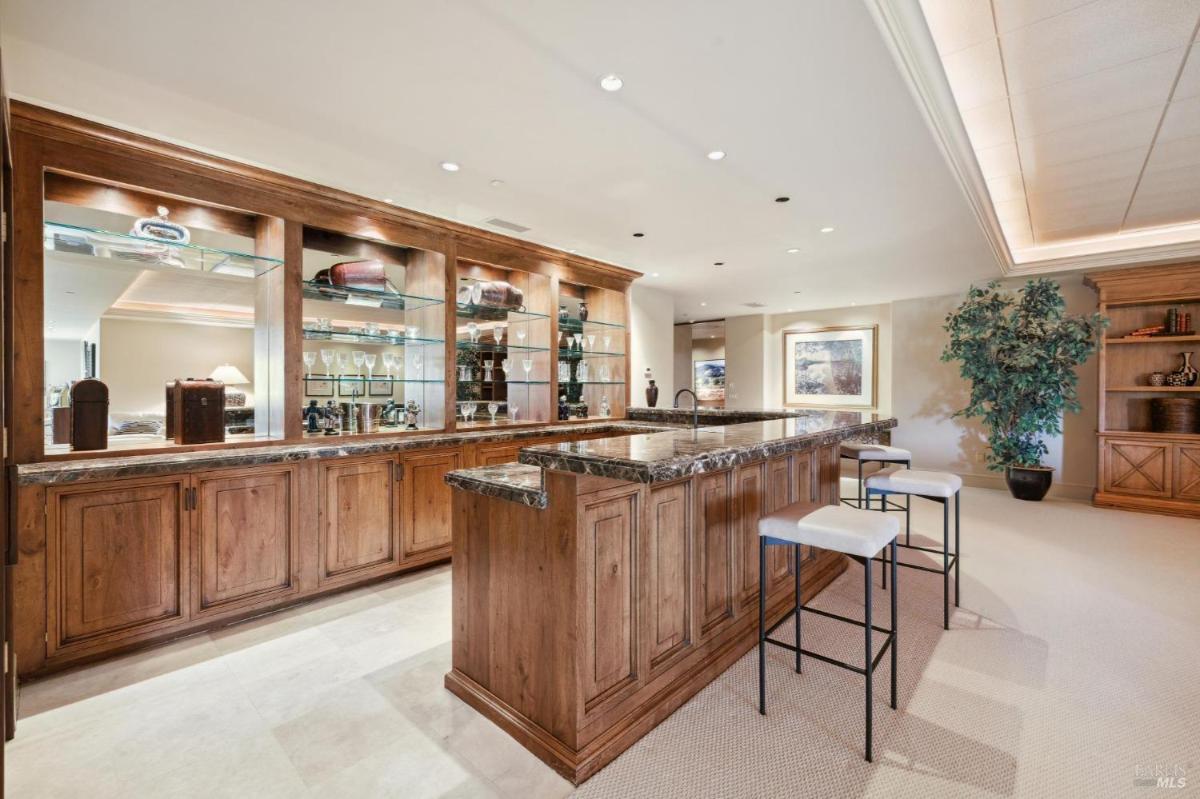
x,y
853,532
882,454
934,486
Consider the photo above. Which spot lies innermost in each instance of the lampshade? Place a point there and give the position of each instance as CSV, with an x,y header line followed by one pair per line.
x,y
228,374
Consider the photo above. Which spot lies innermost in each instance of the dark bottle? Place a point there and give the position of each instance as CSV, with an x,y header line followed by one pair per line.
x,y
562,313
652,394
564,410
583,312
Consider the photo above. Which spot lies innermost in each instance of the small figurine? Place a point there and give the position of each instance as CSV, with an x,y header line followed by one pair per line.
x,y
583,311
582,411
313,417
605,410
411,411
564,410
333,418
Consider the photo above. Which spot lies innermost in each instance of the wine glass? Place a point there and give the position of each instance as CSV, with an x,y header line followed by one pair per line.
x,y
608,343
583,371
504,367
372,328
389,359
512,412
310,358
487,372
591,342
604,373
370,361
412,331
498,333
492,408
521,336
473,331
527,365
343,362
469,411
327,359
578,337
359,358
416,366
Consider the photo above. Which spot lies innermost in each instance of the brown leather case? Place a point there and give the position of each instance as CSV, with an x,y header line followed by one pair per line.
x,y
89,415
367,274
169,425
199,411
60,425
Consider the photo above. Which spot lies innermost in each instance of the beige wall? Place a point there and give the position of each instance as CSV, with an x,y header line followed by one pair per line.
x,y
682,369
746,362
138,357
652,337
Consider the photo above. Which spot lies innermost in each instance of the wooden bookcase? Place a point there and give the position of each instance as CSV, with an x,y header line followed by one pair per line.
x,y
1138,468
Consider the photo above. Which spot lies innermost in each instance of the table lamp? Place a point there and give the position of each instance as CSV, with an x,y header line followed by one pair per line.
x,y
230,375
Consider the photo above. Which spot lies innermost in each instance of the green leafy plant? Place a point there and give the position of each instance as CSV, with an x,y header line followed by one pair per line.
x,y
1019,351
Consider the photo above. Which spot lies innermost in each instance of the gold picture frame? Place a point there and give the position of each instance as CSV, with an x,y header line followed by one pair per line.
x,y
831,367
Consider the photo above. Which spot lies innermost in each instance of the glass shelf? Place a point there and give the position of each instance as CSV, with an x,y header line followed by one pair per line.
x,y
487,313
507,382
588,354
577,326
367,298
375,379
591,382
484,346
311,334
83,242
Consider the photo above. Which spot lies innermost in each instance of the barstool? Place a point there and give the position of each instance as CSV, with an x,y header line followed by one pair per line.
x,y
856,533
882,454
936,487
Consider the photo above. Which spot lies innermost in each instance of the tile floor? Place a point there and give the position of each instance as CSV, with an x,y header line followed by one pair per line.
x,y
1071,664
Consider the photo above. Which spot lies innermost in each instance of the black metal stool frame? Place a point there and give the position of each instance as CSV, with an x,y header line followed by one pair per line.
x,y
858,503
949,559
870,661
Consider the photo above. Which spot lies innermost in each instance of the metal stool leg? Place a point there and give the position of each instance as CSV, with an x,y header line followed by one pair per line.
x,y
907,509
762,626
860,484
957,551
883,503
799,607
946,563
867,648
895,615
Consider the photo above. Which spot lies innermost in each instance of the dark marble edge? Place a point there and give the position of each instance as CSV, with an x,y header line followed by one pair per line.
x,y
118,466
515,482
647,414
686,465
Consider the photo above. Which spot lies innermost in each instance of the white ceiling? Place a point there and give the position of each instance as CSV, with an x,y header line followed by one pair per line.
x,y
371,96
1084,117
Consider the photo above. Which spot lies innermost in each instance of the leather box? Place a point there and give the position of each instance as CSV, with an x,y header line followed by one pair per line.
x,y
366,274
199,411
169,425
89,415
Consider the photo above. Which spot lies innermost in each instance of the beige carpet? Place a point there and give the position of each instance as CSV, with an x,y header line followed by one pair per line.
x,y
1072,665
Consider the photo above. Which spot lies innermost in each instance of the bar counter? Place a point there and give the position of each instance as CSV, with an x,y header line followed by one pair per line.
x,y
600,584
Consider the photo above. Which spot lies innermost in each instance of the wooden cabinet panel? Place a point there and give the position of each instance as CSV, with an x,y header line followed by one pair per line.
x,y
608,537
117,554
714,552
1137,467
828,461
427,500
666,585
780,560
1187,471
244,535
493,454
749,503
804,475
359,526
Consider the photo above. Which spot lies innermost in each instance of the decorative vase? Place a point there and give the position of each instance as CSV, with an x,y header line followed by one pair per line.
x,y
583,311
1028,483
1186,374
1157,379
652,394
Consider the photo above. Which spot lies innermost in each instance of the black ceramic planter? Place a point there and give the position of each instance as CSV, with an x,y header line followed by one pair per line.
x,y
1029,484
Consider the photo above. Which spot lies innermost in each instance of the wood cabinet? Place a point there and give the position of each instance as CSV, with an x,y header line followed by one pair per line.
x,y
427,501
1186,472
666,549
608,536
359,518
1137,467
116,556
715,586
245,538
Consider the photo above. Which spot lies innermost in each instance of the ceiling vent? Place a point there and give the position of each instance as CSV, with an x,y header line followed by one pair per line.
x,y
755,304
496,221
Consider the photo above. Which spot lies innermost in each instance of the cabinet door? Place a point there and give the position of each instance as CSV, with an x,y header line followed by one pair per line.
x,y
780,560
427,500
494,454
714,553
359,522
245,546
666,576
1137,467
115,555
607,539
1187,471
749,502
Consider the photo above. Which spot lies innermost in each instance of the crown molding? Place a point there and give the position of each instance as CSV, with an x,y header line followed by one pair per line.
x,y
907,35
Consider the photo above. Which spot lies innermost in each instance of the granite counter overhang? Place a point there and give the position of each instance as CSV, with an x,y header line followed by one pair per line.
x,y
122,466
666,455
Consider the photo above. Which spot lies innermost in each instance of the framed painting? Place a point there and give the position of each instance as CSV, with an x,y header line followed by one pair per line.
x,y
708,380
834,367
318,387
352,387
380,388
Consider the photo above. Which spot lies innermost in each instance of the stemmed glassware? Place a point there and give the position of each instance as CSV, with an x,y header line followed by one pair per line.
x,y
591,342
582,371
564,372
608,343
498,333
310,358
487,371
492,408
521,335
359,358
416,366
411,331
327,359
527,365
473,331
578,337
468,411
389,360
504,367
512,412
604,373
370,361
343,362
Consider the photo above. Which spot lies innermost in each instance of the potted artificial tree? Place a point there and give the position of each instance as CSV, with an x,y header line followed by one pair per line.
x,y
1019,352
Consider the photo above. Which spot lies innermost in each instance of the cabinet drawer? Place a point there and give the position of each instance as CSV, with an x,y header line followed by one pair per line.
x,y
1137,467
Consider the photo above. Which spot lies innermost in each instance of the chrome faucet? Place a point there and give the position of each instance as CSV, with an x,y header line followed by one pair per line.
x,y
695,405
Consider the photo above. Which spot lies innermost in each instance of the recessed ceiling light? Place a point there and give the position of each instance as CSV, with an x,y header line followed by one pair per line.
x,y
450,166
782,199
716,155
654,274
497,183
853,304
388,200
703,304
791,310
572,251
611,83
826,230
793,250
638,235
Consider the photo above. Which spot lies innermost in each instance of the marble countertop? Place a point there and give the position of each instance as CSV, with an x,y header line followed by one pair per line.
x,y
713,415
118,466
659,456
